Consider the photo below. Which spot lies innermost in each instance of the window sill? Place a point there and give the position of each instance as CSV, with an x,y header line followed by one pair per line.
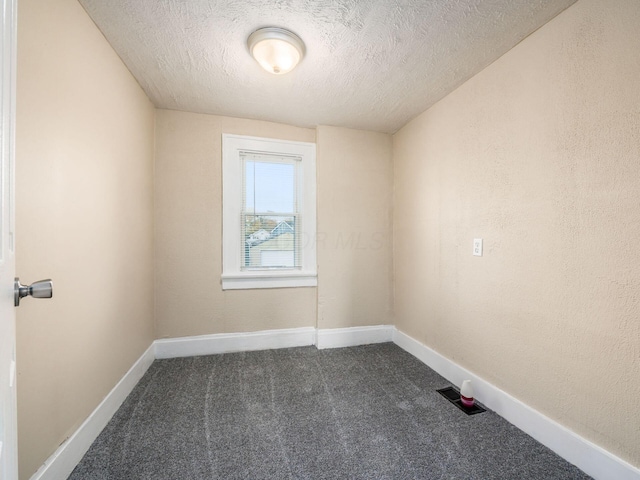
x,y
269,280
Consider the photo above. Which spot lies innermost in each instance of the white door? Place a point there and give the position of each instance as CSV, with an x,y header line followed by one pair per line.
x,y
8,423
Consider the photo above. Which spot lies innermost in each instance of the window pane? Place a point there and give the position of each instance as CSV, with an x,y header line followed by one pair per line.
x,y
270,217
270,241
269,187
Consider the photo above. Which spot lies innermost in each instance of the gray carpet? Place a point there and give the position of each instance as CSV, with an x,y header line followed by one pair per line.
x,y
368,412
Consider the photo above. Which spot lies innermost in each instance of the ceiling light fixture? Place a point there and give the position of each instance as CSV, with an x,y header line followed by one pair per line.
x,y
277,50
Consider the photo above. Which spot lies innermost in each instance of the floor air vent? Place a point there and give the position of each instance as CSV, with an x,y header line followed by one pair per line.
x,y
453,396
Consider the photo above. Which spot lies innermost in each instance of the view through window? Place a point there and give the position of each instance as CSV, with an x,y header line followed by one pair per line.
x,y
270,215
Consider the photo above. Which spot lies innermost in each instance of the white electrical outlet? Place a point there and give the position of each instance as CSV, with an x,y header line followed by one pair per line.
x,y
477,247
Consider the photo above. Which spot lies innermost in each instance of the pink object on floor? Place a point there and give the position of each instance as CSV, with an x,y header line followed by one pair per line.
x,y
466,401
466,394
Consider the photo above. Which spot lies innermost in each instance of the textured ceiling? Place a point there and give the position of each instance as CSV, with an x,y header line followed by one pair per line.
x,y
370,64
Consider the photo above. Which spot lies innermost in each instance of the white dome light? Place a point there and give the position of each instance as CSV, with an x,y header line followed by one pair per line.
x,y
277,50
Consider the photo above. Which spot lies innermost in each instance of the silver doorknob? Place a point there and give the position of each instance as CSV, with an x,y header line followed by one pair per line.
x,y
39,289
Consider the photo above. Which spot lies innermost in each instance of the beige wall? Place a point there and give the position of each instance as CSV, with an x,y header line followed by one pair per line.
x,y
355,185
354,230
84,218
188,234
539,155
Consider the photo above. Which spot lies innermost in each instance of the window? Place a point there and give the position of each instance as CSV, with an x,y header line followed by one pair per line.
x,y
268,213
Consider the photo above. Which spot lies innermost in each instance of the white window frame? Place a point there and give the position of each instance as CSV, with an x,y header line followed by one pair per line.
x,y
233,277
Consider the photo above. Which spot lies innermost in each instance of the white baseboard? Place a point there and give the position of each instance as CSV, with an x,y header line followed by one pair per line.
x,y
68,455
270,339
351,337
234,342
590,458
